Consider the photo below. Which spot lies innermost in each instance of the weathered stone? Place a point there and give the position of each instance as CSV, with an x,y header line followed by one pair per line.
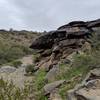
x,y
46,53
7,69
56,49
52,86
52,73
95,72
68,42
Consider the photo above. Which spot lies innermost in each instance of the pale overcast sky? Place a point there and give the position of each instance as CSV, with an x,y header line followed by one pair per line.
x,y
40,15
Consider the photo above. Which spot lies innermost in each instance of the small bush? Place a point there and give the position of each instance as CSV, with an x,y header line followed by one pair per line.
x,y
40,79
8,91
16,63
36,58
29,69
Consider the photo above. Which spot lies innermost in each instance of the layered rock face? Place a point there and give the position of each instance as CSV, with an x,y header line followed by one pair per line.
x,y
57,45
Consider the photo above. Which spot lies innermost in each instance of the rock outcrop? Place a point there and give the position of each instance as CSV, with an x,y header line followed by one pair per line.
x,y
48,40
59,44
75,29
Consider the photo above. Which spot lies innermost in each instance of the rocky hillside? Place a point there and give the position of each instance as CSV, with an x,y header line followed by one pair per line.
x,y
64,64
67,55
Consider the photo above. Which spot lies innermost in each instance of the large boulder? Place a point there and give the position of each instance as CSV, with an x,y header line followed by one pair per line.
x,y
48,88
7,69
52,73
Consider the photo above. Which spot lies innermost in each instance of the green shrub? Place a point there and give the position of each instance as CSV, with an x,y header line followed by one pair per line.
x,y
8,91
40,79
11,53
30,69
95,40
16,63
36,57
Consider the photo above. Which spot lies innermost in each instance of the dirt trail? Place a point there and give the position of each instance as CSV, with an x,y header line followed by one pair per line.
x,y
27,60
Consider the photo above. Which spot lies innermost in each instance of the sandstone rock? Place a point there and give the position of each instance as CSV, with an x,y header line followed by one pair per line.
x,y
67,52
56,49
95,72
42,62
52,86
46,53
68,42
52,73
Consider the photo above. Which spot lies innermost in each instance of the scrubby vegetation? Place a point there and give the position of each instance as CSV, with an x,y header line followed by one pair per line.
x,y
30,69
36,57
16,63
8,91
14,44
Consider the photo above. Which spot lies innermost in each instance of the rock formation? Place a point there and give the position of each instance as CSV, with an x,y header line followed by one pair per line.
x,y
56,45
